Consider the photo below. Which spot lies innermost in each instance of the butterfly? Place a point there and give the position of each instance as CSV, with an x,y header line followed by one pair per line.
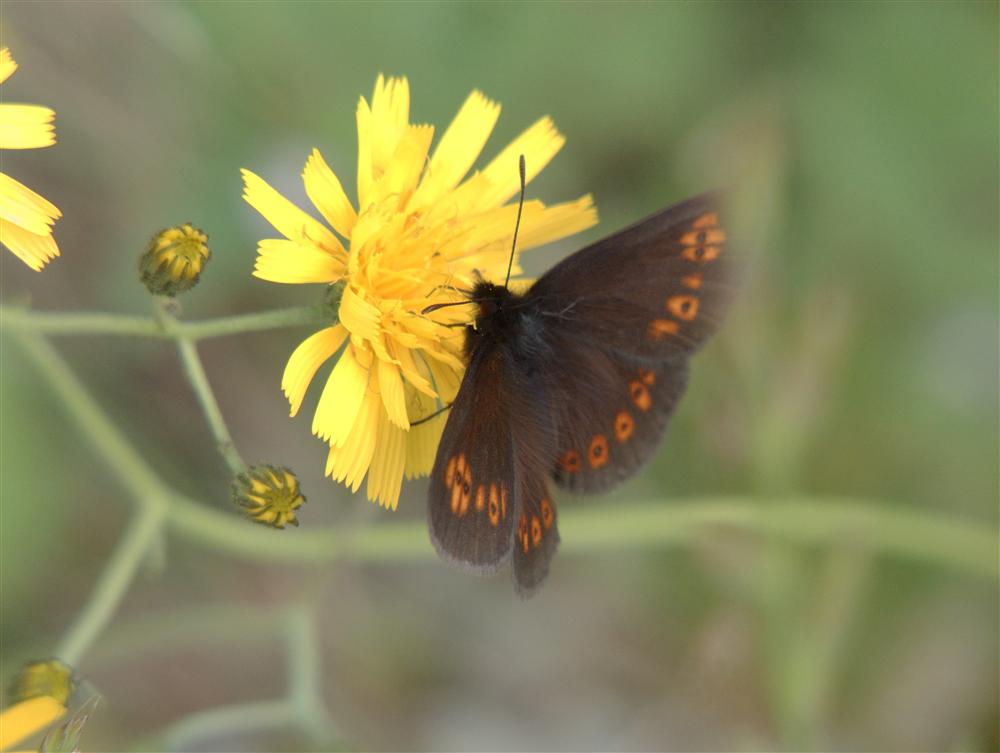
x,y
572,382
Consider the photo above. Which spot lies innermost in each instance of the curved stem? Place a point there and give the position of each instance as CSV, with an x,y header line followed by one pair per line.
x,y
245,718
305,688
264,320
209,405
809,521
111,586
119,454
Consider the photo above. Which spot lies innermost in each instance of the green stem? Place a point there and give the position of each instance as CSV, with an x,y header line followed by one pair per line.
x,y
808,521
120,454
243,719
264,320
209,405
305,665
93,323
111,586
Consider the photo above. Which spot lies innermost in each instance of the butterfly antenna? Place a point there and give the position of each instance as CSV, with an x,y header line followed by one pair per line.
x,y
517,224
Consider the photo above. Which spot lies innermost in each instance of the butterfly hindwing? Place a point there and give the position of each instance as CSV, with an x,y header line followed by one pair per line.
x,y
536,535
611,424
622,317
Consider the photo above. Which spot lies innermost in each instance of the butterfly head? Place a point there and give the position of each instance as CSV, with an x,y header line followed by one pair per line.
x,y
490,299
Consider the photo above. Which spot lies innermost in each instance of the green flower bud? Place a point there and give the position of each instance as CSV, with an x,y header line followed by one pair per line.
x,y
174,259
268,495
43,678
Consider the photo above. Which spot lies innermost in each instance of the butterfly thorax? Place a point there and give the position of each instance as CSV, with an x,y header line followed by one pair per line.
x,y
501,318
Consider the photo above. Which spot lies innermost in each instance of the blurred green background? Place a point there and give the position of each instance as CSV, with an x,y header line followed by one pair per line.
x,y
861,360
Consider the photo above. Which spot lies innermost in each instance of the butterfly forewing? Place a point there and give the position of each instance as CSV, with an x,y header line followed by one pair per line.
x,y
656,289
491,469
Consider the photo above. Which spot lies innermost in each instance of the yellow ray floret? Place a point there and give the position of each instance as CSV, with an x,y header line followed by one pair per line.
x,y
26,218
422,230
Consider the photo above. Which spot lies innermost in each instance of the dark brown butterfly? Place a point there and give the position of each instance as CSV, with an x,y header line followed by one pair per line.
x,y
573,381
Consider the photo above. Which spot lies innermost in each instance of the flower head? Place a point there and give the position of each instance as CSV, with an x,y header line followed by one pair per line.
x,y
26,218
268,495
421,232
173,260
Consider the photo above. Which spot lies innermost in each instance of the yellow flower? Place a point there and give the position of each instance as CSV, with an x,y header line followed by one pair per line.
x,y
26,218
419,234
26,718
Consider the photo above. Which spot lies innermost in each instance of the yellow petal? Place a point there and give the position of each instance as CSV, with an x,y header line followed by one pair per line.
x,y
27,718
34,250
350,463
303,364
492,229
287,218
26,126
390,116
539,144
359,316
280,260
365,169
407,164
341,399
386,473
422,440
557,222
447,380
412,371
326,192
25,208
390,385
7,65
458,148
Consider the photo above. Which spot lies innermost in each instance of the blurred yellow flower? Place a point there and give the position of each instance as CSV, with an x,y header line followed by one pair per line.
x,y
419,234
26,218
26,718
49,677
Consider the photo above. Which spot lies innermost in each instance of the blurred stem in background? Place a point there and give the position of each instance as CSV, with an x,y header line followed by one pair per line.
x,y
806,673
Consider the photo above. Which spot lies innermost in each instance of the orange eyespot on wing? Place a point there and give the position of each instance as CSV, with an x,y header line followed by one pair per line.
x,y
624,426
701,253
597,454
569,461
660,328
684,307
693,281
640,395
480,498
536,531
647,377
494,509
709,219
702,243
547,515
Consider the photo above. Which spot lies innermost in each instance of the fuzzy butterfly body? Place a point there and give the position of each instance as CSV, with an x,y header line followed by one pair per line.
x,y
573,382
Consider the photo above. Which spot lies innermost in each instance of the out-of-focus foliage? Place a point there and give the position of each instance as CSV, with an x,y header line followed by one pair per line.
x,y
862,144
